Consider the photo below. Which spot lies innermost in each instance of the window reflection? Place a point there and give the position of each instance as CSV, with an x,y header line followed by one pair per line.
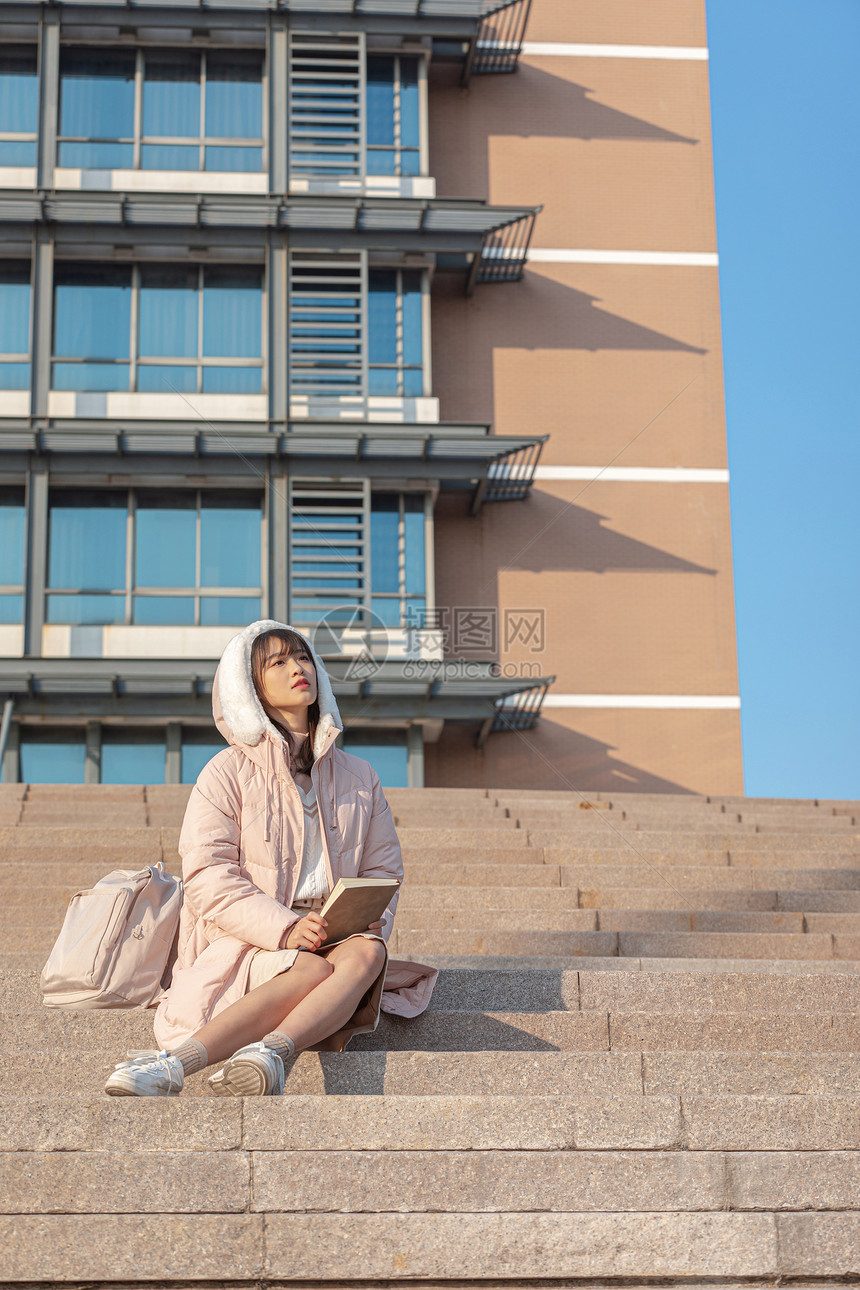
x,y
386,750
132,756
198,747
96,110
393,116
19,107
196,110
98,310
12,536
195,558
395,330
397,547
52,756
14,326
92,328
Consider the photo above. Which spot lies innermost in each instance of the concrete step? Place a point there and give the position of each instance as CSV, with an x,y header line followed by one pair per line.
x,y
42,923
588,989
309,1126
731,878
81,1074
513,1247
716,840
626,944
28,906
442,1031
33,961
596,963
484,1179
483,818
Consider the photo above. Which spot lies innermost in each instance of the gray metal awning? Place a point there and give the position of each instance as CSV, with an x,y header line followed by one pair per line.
x,y
470,10
488,243
503,465
454,217
73,689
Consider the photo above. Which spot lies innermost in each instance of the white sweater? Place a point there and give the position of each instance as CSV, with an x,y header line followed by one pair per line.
x,y
313,879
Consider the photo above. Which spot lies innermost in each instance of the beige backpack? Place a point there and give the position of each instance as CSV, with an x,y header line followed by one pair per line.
x,y
117,945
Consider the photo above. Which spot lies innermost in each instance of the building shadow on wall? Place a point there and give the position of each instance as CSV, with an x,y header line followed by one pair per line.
x,y
533,104
581,543
539,314
568,760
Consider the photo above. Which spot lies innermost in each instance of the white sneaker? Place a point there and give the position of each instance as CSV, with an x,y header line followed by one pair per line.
x,y
254,1070
154,1074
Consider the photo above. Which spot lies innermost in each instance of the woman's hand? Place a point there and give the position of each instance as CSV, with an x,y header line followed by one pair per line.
x,y
375,927
308,933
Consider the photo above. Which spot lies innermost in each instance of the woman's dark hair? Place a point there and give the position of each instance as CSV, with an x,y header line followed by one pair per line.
x,y
291,643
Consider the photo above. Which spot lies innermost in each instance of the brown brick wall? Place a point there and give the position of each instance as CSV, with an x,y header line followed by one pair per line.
x,y
617,363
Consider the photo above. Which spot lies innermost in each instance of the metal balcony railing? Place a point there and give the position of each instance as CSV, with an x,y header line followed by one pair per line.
x,y
500,40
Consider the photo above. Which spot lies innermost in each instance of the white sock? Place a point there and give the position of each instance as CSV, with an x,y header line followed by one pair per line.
x,y
193,1056
280,1044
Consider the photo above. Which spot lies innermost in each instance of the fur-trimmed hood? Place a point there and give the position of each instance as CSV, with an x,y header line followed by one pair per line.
x,y
238,712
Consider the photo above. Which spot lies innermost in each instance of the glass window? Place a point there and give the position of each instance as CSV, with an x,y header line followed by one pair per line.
x,y
86,556
386,750
52,756
19,107
12,540
232,330
132,756
165,548
234,111
94,312
14,326
230,549
195,557
171,104
397,554
393,116
97,93
196,110
92,328
198,747
395,333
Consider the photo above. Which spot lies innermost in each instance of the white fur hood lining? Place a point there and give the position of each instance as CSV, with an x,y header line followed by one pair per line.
x,y
242,711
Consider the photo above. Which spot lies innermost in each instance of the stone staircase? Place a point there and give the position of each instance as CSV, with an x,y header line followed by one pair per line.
x,y
641,1064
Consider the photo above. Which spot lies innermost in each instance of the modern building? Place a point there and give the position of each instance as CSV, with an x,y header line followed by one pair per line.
x,y
397,321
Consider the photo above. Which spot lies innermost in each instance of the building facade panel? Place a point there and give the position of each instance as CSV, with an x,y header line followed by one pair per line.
x,y
617,150
625,579
608,751
283,331
618,22
593,354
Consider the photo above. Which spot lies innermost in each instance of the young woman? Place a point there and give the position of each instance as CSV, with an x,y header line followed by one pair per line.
x,y
272,822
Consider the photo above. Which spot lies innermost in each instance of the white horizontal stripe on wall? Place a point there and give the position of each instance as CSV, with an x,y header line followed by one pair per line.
x,y
635,474
564,50
697,701
563,255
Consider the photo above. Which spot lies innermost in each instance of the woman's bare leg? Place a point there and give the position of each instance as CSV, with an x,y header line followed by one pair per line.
x,y
356,964
263,1010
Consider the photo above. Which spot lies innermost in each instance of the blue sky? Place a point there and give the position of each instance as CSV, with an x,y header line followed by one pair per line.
x,y
786,130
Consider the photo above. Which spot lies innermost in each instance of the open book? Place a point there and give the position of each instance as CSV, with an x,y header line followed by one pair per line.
x,y
354,903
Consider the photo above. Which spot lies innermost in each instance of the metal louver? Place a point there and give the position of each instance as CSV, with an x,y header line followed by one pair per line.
x,y
326,105
329,553
327,349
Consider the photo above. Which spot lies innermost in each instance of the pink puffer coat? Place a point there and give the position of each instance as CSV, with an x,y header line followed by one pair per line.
x,y
241,847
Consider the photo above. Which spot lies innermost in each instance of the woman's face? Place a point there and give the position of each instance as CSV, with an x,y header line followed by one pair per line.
x,y
289,680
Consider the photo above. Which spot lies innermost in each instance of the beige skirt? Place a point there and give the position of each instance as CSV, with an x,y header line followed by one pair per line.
x,y
267,964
